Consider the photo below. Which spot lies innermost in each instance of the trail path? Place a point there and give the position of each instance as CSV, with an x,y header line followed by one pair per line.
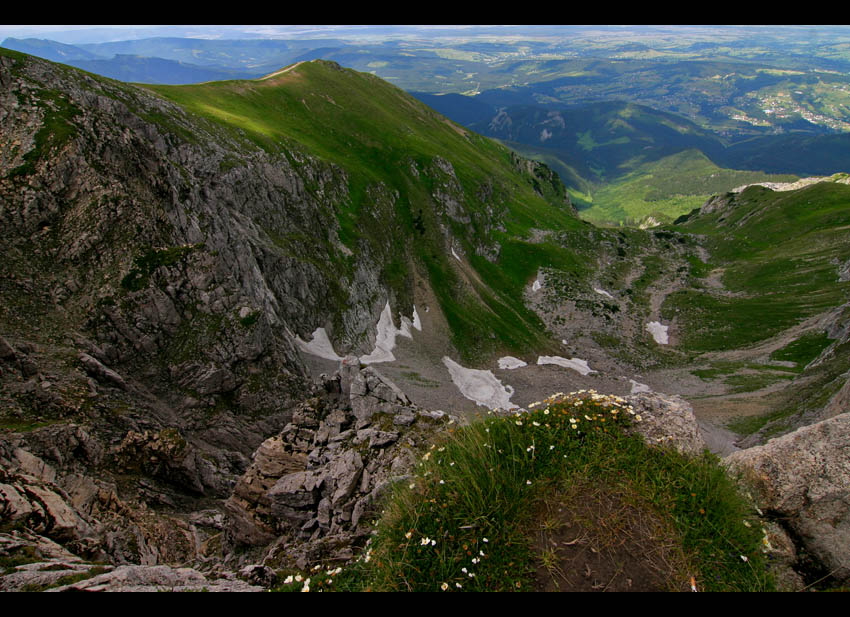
x,y
281,71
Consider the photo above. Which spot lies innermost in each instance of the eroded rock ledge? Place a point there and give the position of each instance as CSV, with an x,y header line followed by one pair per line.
x,y
311,489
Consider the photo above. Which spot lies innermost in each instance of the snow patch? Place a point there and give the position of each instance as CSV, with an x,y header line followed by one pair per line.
x,y
602,292
658,332
386,335
480,386
320,345
577,364
455,254
406,325
417,323
537,285
509,362
639,387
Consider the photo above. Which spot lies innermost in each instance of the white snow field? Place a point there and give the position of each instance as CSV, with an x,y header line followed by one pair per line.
x,y
509,362
577,364
320,345
480,386
385,337
658,332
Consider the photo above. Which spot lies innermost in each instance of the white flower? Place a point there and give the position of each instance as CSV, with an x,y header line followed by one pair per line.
x,y
287,580
444,586
298,578
535,423
458,585
484,540
744,558
528,481
408,535
424,541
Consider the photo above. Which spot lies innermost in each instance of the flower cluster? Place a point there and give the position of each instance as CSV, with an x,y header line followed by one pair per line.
x,y
319,578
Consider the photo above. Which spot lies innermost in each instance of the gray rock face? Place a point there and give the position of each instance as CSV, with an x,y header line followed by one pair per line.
x,y
667,420
804,478
29,497
100,372
168,456
370,392
313,484
156,578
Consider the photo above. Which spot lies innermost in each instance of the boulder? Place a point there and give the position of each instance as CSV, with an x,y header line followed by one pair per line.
x,y
803,479
668,420
96,369
7,352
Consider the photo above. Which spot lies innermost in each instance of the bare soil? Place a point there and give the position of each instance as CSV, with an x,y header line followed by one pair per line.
x,y
601,538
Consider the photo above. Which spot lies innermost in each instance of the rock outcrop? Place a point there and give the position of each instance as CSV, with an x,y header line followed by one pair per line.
x,y
802,481
667,420
311,488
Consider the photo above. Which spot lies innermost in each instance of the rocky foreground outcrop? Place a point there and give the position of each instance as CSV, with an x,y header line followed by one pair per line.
x,y
312,489
802,482
667,420
311,492
307,497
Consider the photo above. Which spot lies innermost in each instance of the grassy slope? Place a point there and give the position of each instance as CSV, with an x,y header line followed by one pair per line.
x,y
374,130
667,188
779,251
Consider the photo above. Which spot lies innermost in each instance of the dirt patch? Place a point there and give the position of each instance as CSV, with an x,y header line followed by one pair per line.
x,y
604,538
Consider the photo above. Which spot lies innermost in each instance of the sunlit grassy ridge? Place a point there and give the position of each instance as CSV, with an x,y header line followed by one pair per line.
x,y
468,519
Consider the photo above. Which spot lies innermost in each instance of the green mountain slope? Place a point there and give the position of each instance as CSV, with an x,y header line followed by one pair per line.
x,y
485,197
779,253
622,162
